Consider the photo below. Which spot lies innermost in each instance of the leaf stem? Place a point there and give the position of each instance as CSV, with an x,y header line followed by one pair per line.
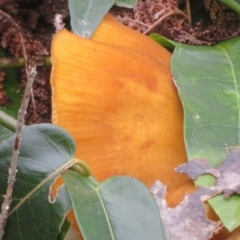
x,y
234,5
94,181
81,167
8,121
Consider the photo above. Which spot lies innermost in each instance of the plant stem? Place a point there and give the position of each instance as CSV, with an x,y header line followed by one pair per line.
x,y
84,168
234,5
6,62
8,121
31,74
94,181
175,11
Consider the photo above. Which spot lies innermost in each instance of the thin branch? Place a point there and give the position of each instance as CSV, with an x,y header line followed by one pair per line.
x,y
58,22
6,62
31,75
173,12
188,10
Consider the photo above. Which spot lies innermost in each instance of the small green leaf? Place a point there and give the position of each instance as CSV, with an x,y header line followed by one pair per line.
x,y
208,80
86,15
228,209
64,230
233,4
125,3
120,208
165,42
45,151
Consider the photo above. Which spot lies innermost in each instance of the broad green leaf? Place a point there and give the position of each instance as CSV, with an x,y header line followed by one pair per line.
x,y
46,150
208,80
86,15
120,208
233,4
11,87
4,133
125,3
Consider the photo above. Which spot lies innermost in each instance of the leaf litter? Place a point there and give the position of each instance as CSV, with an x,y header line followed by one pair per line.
x,y
189,217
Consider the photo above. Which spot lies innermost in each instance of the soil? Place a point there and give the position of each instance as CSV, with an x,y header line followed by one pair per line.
x,y
205,22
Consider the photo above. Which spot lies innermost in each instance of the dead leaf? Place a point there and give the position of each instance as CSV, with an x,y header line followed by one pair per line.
x,y
188,218
227,174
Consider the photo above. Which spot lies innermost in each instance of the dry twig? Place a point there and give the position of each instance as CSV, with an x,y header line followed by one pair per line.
x,y
31,75
172,12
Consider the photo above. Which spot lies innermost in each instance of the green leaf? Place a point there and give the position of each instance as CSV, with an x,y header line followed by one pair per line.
x,y
72,234
208,79
233,4
64,230
45,151
120,208
4,133
228,209
11,87
125,3
86,15
165,42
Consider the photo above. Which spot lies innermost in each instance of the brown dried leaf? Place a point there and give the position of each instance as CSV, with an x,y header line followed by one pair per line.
x,y
189,217
227,174
196,168
229,179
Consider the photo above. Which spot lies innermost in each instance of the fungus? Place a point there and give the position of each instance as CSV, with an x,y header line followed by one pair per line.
x,y
115,95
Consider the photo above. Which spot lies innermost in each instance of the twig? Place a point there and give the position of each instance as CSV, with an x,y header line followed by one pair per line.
x,y
58,22
6,62
173,12
31,75
188,10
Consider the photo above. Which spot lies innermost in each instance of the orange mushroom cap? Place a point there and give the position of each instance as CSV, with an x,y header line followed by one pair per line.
x,y
113,32
115,95
118,101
